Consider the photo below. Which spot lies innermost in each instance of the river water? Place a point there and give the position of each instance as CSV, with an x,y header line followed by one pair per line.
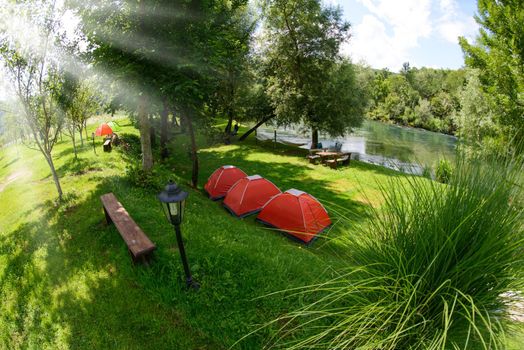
x,y
400,148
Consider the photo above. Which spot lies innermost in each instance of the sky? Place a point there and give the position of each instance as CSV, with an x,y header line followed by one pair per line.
x,y
387,33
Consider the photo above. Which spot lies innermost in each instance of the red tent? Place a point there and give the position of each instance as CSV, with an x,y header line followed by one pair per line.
x,y
103,129
248,195
221,181
297,213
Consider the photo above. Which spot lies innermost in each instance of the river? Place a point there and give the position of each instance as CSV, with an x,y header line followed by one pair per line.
x,y
396,147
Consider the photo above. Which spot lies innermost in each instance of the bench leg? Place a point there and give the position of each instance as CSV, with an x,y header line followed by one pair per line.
x,y
108,218
144,259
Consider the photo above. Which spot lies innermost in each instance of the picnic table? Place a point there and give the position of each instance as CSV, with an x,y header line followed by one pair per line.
x,y
333,159
325,155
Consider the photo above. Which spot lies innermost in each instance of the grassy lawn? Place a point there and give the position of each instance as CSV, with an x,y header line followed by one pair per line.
x,y
67,281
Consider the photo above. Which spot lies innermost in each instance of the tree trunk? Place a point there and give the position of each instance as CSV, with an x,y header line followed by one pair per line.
x,y
152,133
183,122
247,133
227,131
74,142
173,120
164,125
229,123
194,154
145,137
314,138
85,130
49,160
81,136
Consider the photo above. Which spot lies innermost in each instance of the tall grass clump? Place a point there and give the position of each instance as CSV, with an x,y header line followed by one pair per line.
x,y
428,273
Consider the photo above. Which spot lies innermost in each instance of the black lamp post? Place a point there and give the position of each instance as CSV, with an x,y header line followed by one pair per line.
x,y
172,200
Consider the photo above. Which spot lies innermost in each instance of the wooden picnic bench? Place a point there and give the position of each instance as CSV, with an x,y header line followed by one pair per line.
x,y
312,156
343,159
139,245
107,145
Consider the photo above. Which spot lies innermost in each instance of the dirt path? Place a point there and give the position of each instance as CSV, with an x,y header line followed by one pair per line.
x,y
13,177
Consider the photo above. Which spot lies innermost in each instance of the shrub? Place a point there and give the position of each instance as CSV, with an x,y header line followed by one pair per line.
x,y
444,171
427,172
130,145
429,272
143,179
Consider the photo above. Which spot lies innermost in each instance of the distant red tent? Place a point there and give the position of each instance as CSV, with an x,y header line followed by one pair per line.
x,y
221,181
248,195
103,129
297,213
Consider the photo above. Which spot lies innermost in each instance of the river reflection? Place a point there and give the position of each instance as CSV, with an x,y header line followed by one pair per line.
x,y
395,147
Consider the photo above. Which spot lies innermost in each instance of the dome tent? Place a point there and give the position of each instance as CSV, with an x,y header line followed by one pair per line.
x,y
221,181
248,195
297,213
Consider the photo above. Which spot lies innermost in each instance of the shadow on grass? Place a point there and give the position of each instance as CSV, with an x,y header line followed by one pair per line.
x,y
68,281
69,151
7,165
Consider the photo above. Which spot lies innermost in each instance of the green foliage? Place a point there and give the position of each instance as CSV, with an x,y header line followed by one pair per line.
x,y
427,172
130,145
426,98
476,120
307,81
443,171
429,272
140,178
498,53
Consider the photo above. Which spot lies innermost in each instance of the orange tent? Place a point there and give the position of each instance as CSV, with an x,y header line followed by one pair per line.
x,y
221,181
297,213
103,129
248,195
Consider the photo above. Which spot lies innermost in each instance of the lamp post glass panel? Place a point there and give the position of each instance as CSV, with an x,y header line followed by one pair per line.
x,y
172,200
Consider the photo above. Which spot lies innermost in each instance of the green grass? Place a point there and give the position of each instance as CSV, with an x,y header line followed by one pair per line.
x,y
430,271
67,281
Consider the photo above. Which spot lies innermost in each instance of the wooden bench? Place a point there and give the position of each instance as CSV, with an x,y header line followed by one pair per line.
x,y
139,245
107,145
313,158
344,160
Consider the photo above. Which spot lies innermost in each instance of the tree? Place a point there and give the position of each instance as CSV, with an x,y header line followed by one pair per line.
x,y
34,74
476,122
231,63
125,48
302,42
78,102
65,95
161,60
498,54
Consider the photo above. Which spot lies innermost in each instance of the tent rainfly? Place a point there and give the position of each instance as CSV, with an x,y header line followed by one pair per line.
x,y
297,213
248,195
221,181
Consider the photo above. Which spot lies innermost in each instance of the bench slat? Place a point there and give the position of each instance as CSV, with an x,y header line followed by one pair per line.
x,y
137,241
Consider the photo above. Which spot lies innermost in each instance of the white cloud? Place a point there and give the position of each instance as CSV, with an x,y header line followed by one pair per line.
x,y
452,23
391,31
448,6
372,44
450,30
385,36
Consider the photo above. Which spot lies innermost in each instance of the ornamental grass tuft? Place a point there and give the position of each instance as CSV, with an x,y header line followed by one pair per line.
x,y
430,272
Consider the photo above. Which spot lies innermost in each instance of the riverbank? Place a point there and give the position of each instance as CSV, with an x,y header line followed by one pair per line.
x,y
399,148
66,279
